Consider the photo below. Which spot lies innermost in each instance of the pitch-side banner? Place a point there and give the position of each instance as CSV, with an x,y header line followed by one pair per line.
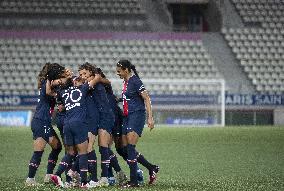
x,y
15,118
18,100
243,99
231,99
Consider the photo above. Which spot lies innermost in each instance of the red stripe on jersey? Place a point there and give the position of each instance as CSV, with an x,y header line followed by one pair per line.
x,y
125,104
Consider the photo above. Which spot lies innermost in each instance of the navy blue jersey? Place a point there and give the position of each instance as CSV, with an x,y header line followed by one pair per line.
x,y
44,103
92,108
113,103
100,97
59,101
74,99
132,100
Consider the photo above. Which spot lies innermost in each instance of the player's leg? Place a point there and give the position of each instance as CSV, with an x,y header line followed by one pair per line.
x,y
132,139
92,159
111,179
104,138
136,122
38,147
56,147
83,162
63,166
60,124
121,178
80,132
68,157
39,131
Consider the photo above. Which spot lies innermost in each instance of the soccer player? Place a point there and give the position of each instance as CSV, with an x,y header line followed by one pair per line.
x,y
115,133
43,132
92,120
135,100
106,122
75,128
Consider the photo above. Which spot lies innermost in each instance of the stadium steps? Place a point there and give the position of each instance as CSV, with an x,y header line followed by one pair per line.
x,y
158,16
236,80
231,18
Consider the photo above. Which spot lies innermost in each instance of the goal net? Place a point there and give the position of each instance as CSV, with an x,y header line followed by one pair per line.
x,y
196,102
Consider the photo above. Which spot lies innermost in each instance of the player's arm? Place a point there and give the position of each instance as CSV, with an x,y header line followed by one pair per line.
x,y
104,80
148,105
93,80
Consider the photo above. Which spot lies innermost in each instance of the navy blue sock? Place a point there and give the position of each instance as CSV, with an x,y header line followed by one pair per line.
x,y
75,165
125,153
83,165
34,163
68,178
110,171
132,162
141,159
52,160
63,165
114,161
122,153
104,161
92,165
124,150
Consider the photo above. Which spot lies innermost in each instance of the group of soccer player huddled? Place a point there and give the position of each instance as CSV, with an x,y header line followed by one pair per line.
x,y
86,109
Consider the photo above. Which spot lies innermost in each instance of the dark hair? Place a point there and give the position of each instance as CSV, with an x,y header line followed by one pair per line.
x,y
67,84
43,74
49,71
100,72
89,67
56,71
126,64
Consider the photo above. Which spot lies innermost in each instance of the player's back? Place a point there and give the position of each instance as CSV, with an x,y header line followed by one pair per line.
x,y
75,102
101,99
43,106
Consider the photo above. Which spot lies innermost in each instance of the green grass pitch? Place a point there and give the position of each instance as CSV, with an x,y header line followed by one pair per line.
x,y
230,158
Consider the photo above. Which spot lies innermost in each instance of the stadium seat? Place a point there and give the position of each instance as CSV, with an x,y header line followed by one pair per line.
x,y
165,58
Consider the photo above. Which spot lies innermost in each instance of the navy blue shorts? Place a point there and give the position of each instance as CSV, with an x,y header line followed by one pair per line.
x,y
106,122
43,129
60,124
93,126
135,121
75,132
117,129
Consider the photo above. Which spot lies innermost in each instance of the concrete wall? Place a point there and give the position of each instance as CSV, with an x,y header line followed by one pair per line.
x,y
213,16
279,116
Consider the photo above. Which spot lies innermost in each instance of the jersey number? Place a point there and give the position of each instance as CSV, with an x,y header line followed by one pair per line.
x,y
70,99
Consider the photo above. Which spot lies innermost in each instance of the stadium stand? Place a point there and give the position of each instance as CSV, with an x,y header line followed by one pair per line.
x,y
259,50
270,14
154,58
107,15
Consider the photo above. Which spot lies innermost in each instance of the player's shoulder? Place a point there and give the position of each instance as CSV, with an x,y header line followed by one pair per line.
x,y
135,79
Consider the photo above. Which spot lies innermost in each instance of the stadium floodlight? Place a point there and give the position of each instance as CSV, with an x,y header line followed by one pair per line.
x,y
196,102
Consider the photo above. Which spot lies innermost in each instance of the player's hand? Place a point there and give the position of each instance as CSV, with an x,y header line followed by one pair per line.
x,y
56,82
90,78
151,123
60,107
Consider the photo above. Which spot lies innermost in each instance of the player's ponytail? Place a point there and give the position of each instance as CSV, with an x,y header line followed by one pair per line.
x,y
134,70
